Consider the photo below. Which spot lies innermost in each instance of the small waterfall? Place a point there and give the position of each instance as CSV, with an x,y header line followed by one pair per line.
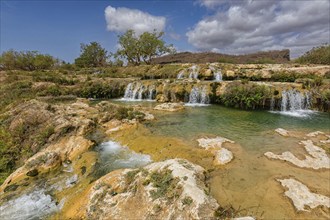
x,y
198,96
180,74
217,75
293,103
272,104
137,91
151,92
193,72
293,100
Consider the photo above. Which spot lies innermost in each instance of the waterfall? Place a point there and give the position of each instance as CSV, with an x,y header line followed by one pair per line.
x,y
137,92
180,74
217,75
151,92
198,96
293,103
293,100
272,104
193,72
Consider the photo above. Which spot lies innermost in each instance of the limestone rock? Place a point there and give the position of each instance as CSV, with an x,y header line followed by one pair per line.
x,y
221,155
172,189
318,158
148,116
301,196
315,133
244,218
282,132
171,107
230,73
217,142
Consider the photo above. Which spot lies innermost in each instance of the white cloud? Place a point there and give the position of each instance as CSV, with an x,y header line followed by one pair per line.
x,y
123,19
247,26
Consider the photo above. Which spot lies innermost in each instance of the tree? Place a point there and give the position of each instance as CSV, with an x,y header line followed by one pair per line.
x,y
317,55
92,55
27,60
136,49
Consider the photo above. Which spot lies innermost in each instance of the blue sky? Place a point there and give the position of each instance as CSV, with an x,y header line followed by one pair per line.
x,y
236,27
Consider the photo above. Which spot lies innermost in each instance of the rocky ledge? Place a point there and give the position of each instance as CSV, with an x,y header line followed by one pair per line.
x,y
172,189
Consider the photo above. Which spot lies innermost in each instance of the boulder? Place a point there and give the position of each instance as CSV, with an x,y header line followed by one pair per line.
x,y
282,132
172,189
214,145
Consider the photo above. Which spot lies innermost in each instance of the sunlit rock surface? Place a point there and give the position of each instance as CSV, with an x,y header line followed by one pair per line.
x,y
222,155
173,189
302,197
171,107
317,158
282,132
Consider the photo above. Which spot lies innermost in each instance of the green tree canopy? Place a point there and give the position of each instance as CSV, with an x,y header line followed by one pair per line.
x,y
137,49
92,55
27,60
317,55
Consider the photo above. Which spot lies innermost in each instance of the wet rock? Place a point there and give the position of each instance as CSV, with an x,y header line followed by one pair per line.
x,y
222,155
32,173
315,133
173,189
301,196
282,132
83,170
244,218
171,107
148,116
317,158
10,188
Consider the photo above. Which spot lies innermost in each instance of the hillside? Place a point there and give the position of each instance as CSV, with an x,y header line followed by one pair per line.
x,y
276,56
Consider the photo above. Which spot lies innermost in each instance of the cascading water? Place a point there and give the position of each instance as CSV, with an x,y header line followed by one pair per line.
x,y
180,74
193,72
217,75
293,103
151,92
198,96
137,91
293,100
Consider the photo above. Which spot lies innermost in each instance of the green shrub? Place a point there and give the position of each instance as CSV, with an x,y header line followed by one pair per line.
x,y
165,184
317,55
245,96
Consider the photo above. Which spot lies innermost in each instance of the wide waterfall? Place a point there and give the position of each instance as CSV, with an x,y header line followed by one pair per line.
x,y
198,97
137,91
293,103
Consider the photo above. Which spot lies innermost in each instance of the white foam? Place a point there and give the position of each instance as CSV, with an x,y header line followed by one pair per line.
x,y
35,205
196,104
115,156
296,113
